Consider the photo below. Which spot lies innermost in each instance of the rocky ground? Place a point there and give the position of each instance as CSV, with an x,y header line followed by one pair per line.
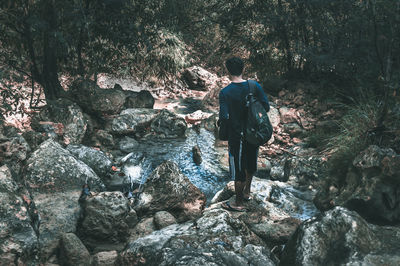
x,y
44,219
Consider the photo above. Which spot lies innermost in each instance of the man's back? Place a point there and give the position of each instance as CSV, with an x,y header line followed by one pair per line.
x,y
232,100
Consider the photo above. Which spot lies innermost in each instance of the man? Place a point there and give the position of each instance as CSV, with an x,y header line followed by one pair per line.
x,y
242,155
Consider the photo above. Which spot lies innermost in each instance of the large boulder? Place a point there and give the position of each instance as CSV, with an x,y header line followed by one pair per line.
x,y
342,237
62,118
95,100
133,121
168,125
167,188
214,239
198,78
95,159
54,178
53,169
371,187
106,221
18,240
141,99
73,252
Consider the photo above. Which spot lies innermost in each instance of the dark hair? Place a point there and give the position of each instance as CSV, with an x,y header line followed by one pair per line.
x,y
235,66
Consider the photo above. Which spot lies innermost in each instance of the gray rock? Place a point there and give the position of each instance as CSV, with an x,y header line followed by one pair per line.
x,y
133,120
163,219
278,173
127,144
95,100
73,252
18,241
105,222
34,138
168,189
274,116
197,78
347,239
53,169
144,227
105,258
95,159
141,99
372,187
168,125
104,138
68,121
214,239
13,151
263,168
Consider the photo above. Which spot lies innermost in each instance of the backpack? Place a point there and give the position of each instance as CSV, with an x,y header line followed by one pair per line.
x,y
258,128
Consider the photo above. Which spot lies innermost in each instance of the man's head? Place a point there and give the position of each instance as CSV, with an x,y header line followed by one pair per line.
x,y
235,66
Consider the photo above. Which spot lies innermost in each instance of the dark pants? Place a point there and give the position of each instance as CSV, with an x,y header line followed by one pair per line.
x,y
242,156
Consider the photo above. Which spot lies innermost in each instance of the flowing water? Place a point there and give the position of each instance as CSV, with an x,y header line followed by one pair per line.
x,y
209,176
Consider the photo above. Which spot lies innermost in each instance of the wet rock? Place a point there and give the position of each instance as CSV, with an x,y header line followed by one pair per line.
x,y
163,219
95,100
63,118
168,189
278,173
226,193
142,99
127,144
198,78
347,239
372,188
52,168
263,168
168,125
196,155
133,120
18,240
73,252
105,222
95,159
105,258
214,239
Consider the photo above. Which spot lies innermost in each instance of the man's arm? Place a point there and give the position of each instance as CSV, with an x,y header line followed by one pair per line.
x,y
223,107
262,97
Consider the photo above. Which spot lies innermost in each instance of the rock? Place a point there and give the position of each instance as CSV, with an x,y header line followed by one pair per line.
x,y
73,252
226,193
198,78
34,138
95,159
133,121
347,239
54,178
142,99
372,188
143,228
63,118
263,168
105,258
196,117
95,100
288,115
105,222
306,169
127,144
168,189
274,116
278,173
168,125
214,239
18,240
13,150
163,219
293,129
52,169
196,155
104,138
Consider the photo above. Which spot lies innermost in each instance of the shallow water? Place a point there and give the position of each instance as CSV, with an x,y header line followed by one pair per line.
x,y
209,176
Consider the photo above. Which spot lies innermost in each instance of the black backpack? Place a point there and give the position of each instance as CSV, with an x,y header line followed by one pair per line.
x,y
258,128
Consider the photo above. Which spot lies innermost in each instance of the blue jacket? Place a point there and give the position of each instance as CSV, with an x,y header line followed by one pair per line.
x,y
232,106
